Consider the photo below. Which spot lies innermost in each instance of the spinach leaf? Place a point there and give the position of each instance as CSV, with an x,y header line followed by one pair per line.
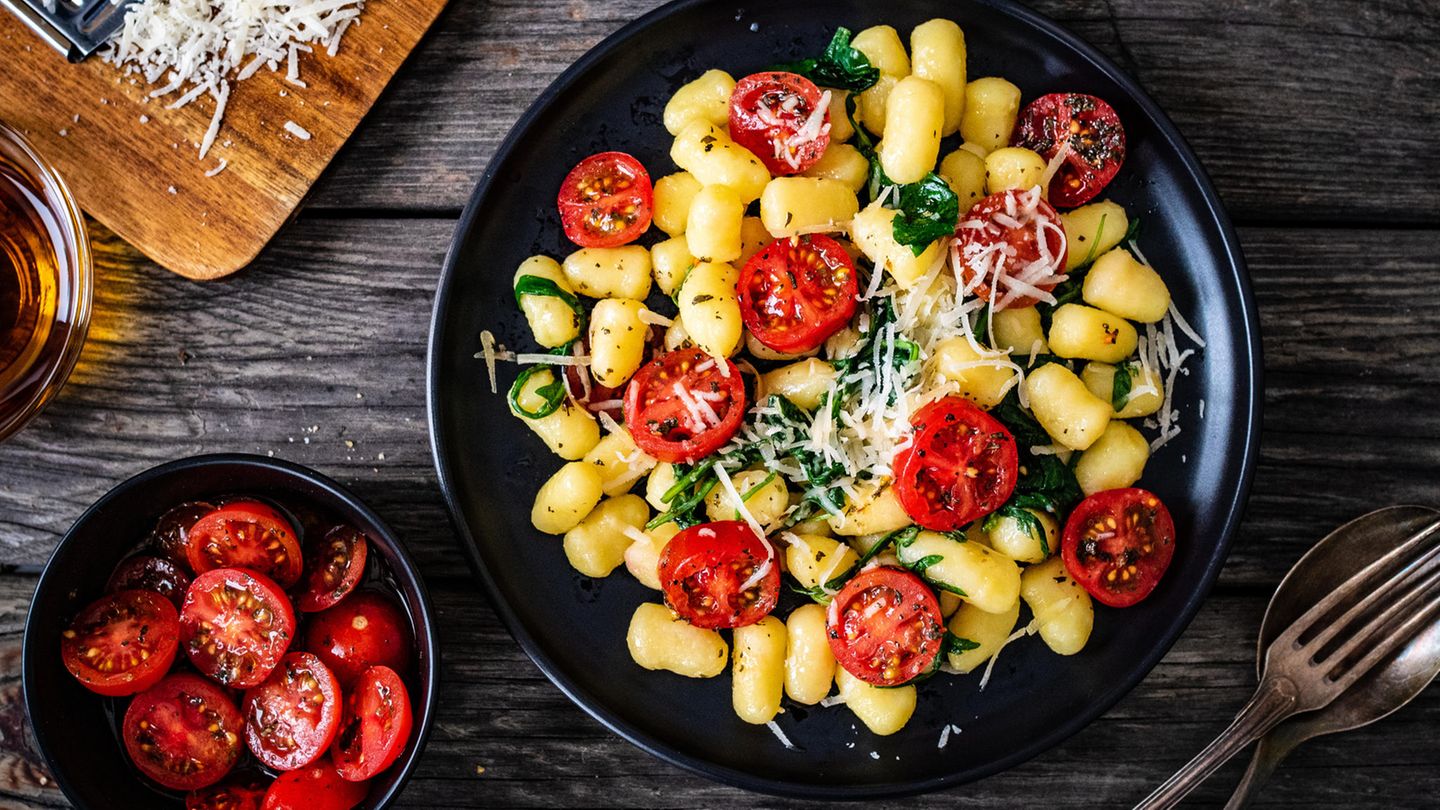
x,y
921,564
954,645
840,66
537,285
1018,510
929,210
1019,422
553,393
1120,388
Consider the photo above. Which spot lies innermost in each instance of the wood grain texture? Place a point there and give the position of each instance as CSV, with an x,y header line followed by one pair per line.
x,y
144,180
1299,110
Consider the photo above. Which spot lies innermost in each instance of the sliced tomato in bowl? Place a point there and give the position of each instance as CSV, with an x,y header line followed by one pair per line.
x,y
1095,136
318,787
1118,544
1012,249
607,200
961,465
171,534
291,718
365,630
720,574
683,405
244,792
783,118
183,733
377,725
885,627
333,567
797,292
235,625
147,572
122,643
246,534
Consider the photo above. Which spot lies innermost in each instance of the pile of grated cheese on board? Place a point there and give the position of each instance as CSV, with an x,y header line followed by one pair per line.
x,y
188,49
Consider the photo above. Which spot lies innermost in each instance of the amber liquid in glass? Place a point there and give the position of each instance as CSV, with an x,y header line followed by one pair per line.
x,y
33,286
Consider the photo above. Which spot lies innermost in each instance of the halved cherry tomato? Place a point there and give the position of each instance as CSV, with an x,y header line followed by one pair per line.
x,y
606,201
317,787
376,727
333,567
781,118
1118,543
235,625
885,626
962,465
1012,246
291,718
712,575
1097,143
236,793
681,407
249,535
121,644
797,292
184,732
148,573
172,531
364,630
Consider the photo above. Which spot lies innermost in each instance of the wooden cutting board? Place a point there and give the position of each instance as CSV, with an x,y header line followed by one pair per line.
x,y
146,182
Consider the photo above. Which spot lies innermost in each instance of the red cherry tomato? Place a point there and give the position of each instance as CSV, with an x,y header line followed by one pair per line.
x,y
144,572
183,733
235,625
781,118
711,575
681,407
1117,545
246,534
1012,247
291,718
365,630
1097,143
797,292
236,793
606,201
317,787
376,727
121,644
333,567
962,465
171,534
885,627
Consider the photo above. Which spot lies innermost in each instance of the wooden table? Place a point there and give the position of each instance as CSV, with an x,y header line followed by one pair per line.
x,y
1318,121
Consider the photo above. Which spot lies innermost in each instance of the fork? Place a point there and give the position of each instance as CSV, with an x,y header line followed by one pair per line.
x,y
1322,654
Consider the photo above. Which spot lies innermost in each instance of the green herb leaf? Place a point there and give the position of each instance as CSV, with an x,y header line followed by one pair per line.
x,y
1120,388
929,210
553,393
537,285
921,564
954,645
898,537
840,66
1018,510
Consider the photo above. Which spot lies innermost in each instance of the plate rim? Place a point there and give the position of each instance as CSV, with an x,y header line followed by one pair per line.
x,y
1246,324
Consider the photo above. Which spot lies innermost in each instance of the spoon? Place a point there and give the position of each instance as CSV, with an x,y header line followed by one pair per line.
x,y
1391,684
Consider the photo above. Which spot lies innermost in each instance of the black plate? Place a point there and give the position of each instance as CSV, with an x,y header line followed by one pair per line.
x,y
574,628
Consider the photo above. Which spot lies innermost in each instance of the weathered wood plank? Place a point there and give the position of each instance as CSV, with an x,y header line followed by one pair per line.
x,y
1350,320
505,737
1300,111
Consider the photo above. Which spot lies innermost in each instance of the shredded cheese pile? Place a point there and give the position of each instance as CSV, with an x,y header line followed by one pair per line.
x,y
199,47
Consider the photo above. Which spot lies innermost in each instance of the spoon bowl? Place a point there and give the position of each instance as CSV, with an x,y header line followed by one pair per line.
x,y
1393,682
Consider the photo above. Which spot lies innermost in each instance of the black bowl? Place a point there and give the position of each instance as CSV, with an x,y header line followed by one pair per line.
x,y
75,728
574,628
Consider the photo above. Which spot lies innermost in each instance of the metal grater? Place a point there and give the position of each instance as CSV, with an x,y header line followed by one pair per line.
x,y
75,28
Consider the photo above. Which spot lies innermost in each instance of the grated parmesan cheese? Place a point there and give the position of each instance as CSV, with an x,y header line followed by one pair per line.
x,y
201,47
297,130
1028,630
779,735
